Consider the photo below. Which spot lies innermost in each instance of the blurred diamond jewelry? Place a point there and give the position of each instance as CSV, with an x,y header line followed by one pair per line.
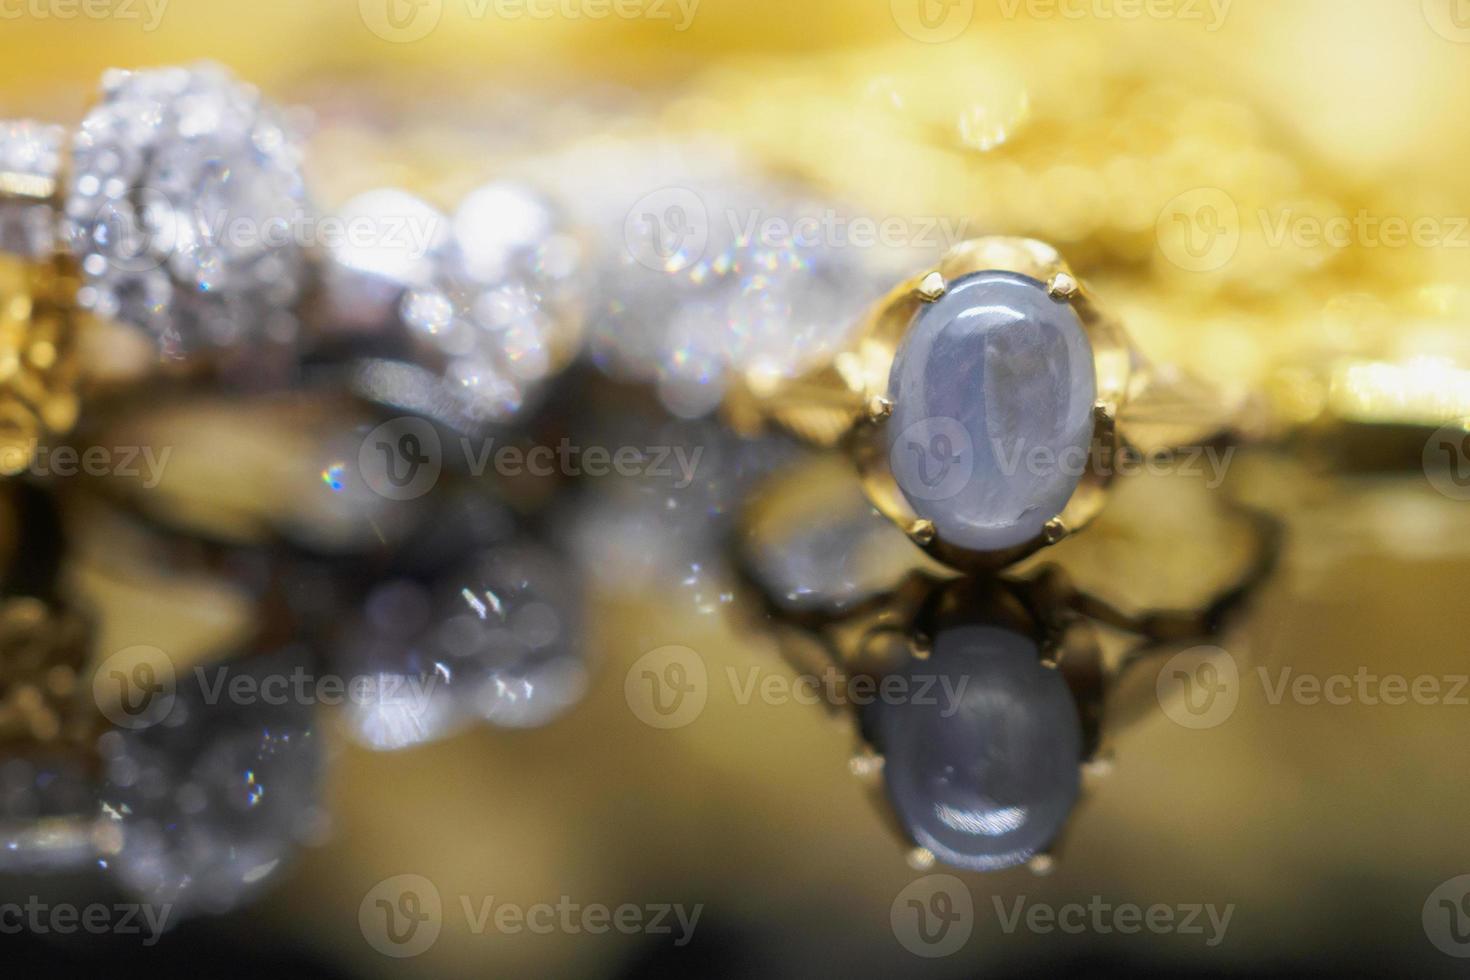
x,y
181,203
178,203
464,317
987,402
711,265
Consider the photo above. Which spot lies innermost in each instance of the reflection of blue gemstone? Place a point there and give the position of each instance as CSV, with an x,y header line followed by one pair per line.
x,y
992,391
981,756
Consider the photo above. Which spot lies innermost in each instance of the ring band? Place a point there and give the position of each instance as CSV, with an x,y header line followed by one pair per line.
x,y
38,354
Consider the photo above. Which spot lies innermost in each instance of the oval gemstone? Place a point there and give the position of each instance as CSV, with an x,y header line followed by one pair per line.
x,y
992,390
985,771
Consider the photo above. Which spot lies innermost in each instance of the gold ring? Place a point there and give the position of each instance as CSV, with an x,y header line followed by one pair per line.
x,y
38,363
988,403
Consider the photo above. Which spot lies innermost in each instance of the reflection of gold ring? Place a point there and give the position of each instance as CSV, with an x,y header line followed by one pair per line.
x,y
47,728
986,403
997,683
48,724
44,656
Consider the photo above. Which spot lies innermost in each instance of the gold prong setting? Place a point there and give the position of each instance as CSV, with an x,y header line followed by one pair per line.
x,y
1042,865
866,765
879,409
1063,286
1055,530
932,287
922,532
921,859
921,646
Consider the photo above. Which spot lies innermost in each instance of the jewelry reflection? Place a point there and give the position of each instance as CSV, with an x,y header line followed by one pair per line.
x,y
48,814
984,774
208,804
983,731
136,767
190,777
494,638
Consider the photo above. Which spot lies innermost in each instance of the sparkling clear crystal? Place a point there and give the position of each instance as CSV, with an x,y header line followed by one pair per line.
x,y
705,270
747,300
187,208
504,304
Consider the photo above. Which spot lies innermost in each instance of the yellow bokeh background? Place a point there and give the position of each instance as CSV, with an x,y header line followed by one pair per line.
x,y
1302,817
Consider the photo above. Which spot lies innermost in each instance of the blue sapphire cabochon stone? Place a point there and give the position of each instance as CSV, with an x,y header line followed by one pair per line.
x,y
983,770
993,388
